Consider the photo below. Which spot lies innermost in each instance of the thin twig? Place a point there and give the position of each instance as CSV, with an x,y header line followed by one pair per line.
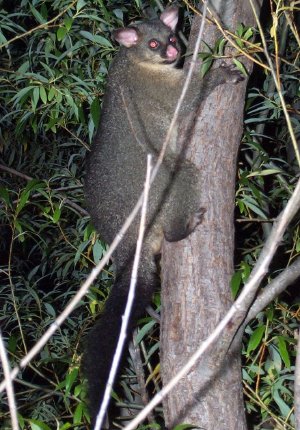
x,y
85,145
277,83
226,33
9,385
15,172
273,289
29,178
282,424
44,25
297,385
129,304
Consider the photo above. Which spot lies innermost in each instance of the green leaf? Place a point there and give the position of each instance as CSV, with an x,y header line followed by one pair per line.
x,y
56,215
283,351
44,11
68,23
43,95
265,172
91,129
65,426
37,15
95,111
35,97
12,344
52,93
239,29
256,338
38,425
144,330
77,417
70,379
22,93
58,97
21,421
97,251
77,390
270,313
79,251
22,202
80,5
61,32
2,38
24,67
19,229
248,34
50,310
36,76
255,209
206,65
96,38
235,283
32,185
245,270
240,66
4,195
221,46
185,427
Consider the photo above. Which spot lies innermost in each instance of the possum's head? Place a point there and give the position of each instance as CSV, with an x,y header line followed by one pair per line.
x,y
152,42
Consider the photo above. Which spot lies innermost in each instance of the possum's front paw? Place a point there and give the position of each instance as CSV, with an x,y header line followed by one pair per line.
x,y
234,76
195,220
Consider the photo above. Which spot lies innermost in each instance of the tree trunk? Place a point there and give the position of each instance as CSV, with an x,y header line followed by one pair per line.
x,y
196,272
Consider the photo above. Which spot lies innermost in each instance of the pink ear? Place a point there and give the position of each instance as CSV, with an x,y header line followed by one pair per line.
x,y
170,17
126,36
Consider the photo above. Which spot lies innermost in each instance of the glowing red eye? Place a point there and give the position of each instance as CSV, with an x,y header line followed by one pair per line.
x,y
173,39
153,44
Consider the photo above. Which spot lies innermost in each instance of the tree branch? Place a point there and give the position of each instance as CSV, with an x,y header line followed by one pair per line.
x,y
297,386
129,304
29,178
273,289
232,320
9,385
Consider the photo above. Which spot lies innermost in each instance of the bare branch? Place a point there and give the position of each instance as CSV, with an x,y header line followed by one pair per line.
x,y
9,385
232,320
297,386
267,295
15,172
29,178
129,304
275,287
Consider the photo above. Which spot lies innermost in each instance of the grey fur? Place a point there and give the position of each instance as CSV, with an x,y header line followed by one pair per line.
x,y
141,95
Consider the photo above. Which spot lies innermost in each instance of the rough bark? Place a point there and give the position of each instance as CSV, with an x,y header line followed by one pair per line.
x,y
196,272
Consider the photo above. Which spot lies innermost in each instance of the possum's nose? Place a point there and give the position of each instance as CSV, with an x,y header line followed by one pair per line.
x,y
172,52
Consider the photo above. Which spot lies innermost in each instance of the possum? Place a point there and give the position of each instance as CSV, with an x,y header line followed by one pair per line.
x,y
144,84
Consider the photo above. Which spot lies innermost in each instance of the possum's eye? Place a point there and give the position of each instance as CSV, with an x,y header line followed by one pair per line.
x,y
173,39
153,44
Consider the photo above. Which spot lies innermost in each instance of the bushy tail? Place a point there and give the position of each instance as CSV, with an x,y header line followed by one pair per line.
x,y
102,339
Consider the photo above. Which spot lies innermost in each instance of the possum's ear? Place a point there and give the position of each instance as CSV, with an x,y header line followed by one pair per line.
x,y
128,36
170,17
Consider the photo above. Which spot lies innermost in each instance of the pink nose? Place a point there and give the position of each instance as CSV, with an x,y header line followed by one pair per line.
x,y
171,52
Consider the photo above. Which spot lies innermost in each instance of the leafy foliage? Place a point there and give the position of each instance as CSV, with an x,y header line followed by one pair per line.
x,y
54,61
267,174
